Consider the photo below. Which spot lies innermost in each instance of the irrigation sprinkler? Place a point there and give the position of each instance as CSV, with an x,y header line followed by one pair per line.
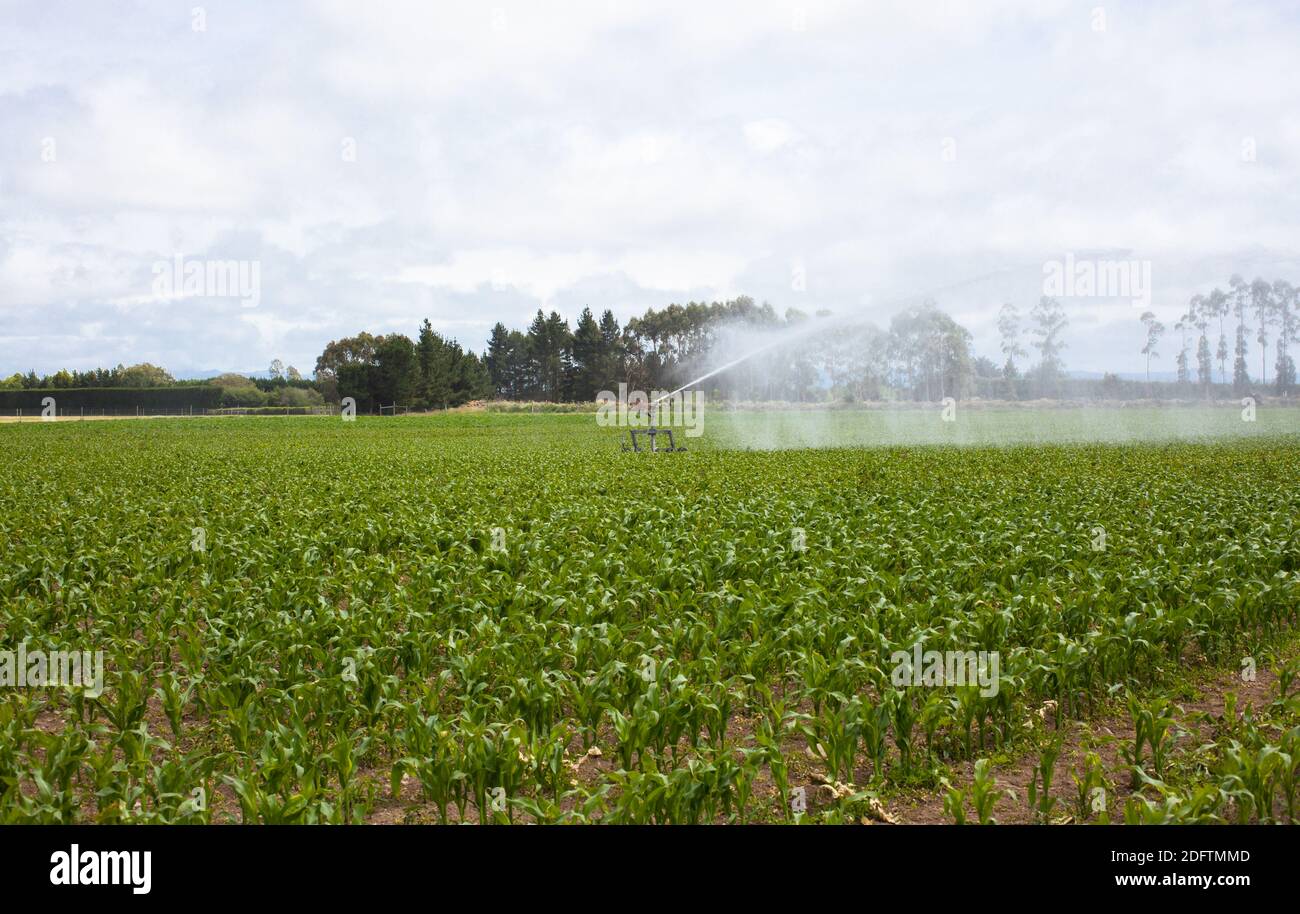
x,y
653,446
652,432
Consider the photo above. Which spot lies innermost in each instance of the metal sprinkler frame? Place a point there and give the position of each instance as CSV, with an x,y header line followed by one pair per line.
x,y
652,433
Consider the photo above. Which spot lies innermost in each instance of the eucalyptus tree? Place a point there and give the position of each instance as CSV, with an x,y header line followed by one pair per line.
x,y
1050,323
1261,302
1155,330
1183,326
1009,329
1198,308
1285,297
1240,301
1217,306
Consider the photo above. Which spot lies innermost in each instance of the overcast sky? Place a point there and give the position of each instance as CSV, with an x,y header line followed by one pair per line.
x,y
384,162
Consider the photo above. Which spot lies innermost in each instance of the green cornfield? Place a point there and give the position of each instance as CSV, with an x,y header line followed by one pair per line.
x,y
504,618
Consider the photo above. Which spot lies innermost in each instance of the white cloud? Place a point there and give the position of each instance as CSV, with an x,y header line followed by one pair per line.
x,y
622,155
768,135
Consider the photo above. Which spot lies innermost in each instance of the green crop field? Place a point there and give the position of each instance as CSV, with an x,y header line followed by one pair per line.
x,y
492,618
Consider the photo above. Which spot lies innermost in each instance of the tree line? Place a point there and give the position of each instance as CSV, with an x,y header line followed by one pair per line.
x,y
923,354
1272,307
142,375
283,386
430,372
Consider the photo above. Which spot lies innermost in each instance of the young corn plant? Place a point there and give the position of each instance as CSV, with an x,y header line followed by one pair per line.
x,y
349,749
1154,728
1200,806
129,701
983,793
175,698
904,719
768,737
1041,801
430,756
834,733
1091,791
1251,775
54,769
750,765
954,802
1289,770
1287,674
873,723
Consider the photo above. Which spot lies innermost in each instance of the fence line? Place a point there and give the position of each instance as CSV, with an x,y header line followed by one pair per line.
x,y
146,412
